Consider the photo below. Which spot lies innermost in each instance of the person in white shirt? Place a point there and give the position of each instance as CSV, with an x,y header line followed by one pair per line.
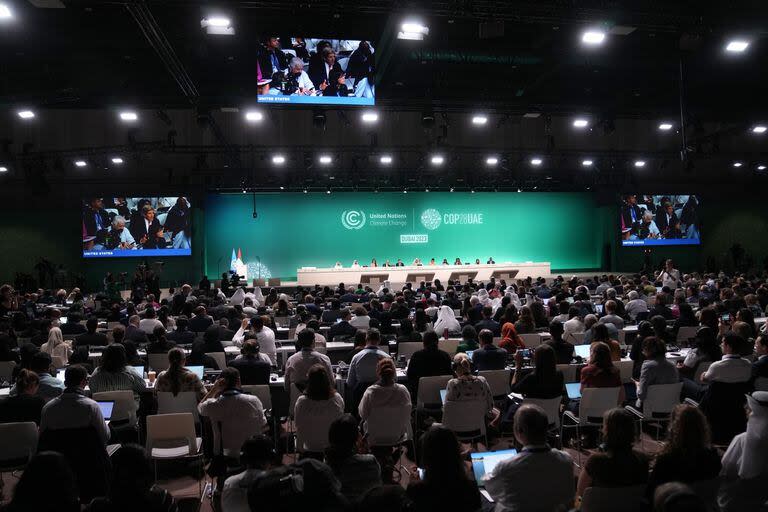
x,y
386,392
297,366
611,317
648,227
446,319
296,71
732,367
235,416
337,265
355,264
361,320
573,325
248,309
636,305
149,323
670,276
56,346
519,484
258,455
264,335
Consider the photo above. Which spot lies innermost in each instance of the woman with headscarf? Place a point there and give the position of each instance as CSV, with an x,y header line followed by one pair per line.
x,y
745,465
56,347
380,291
446,321
510,341
237,298
258,296
482,294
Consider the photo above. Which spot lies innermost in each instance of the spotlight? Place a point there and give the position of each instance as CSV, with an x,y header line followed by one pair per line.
x,y
665,127
26,114
759,128
129,117
282,187
5,14
737,46
759,168
472,191
451,189
305,191
519,190
369,117
593,37
117,160
426,190
405,191
479,119
80,163
3,168
218,21
580,123
325,159
586,163
639,163
536,161
413,31
385,159
437,160
491,160
278,159
328,191
254,116
737,164
217,25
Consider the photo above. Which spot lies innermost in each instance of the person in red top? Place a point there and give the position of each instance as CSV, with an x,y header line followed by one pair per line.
x,y
510,341
600,372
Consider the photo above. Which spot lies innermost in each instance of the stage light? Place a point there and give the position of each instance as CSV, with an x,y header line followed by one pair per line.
x,y
80,163
580,123
536,161
369,117
413,31
519,190
593,37
760,167
491,160
472,191
437,160
305,191
328,191
217,25
254,116
5,12
639,163
325,159
25,114
479,119
665,127
759,128
129,117
245,191
3,168
586,163
218,21
117,160
737,46
385,159
737,164
405,191
278,159
451,189
426,190
282,187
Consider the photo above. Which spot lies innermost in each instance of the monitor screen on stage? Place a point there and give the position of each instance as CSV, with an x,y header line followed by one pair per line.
x,y
136,226
316,71
659,220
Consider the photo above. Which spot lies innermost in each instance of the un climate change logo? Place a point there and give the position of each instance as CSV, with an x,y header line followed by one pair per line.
x,y
431,219
353,219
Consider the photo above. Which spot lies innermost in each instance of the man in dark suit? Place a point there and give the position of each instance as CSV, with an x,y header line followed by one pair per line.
x,y
428,362
271,58
488,322
631,214
668,223
343,328
95,217
201,321
133,333
760,366
91,337
225,333
147,230
330,315
327,75
73,325
488,356
182,335
253,369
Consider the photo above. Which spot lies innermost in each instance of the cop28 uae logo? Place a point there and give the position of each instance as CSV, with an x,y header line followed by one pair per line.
x,y
353,219
431,218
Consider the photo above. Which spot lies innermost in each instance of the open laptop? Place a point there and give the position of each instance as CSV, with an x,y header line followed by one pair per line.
x,y
106,407
483,463
574,390
138,370
469,354
599,309
582,351
197,370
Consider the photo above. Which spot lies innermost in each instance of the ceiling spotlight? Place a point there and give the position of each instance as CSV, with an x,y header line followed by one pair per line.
x,y
369,117
593,37
278,159
665,127
25,114
405,191
580,123
472,191
254,116
437,160
479,119
586,163
451,189
117,160
217,25
80,163
325,159
5,14
129,117
536,161
759,128
328,191
413,31
218,21
519,190
737,164
759,167
385,159
737,46
3,168
491,160
305,191
282,187
639,163
426,190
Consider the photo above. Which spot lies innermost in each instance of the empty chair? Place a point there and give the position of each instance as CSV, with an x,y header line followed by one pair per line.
x,y
172,436
498,381
577,338
658,405
611,499
685,334
466,418
158,362
531,340
551,406
407,348
264,394
569,372
219,357
18,443
428,397
186,401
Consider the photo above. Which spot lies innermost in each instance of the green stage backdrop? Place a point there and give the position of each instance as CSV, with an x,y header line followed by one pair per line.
x,y
296,230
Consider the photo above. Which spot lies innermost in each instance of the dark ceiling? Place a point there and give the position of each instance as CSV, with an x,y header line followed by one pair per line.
x,y
76,65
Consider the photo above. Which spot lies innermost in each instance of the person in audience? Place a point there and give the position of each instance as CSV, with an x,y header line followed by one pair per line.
x,y
132,485
656,369
573,325
182,335
56,347
445,486
150,322
489,356
362,367
617,464
563,349
510,340
635,305
225,333
611,317
361,320
525,324
198,356
600,333
297,366
600,372
264,335
343,329
254,367
421,321
660,308
201,321
387,498
732,367
160,344
385,392
468,339
257,455
177,379
706,350
686,318
49,387
319,397
73,326
428,362
688,455
545,381
644,330
677,497
358,473
73,409
406,333
132,354
235,416
358,344
113,374
211,341
25,404
488,322
46,485
745,466
446,322
516,484
469,387
760,366
134,333
91,337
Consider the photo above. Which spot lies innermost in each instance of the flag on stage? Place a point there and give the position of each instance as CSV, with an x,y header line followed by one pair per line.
x,y
233,262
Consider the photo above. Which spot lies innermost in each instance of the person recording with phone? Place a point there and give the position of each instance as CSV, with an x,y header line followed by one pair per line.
x,y
669,276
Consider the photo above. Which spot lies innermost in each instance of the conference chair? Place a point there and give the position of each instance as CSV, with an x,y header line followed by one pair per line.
x,y
428,399
220,358
577,338
18,443
6,370
158,362
658,405
173,437
685,334
263,393
551,407
466,418
498,381
611,499
761,384
407,348
449,345
312,432
625,369
531,340
569,372
594,403
186,401
124,417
